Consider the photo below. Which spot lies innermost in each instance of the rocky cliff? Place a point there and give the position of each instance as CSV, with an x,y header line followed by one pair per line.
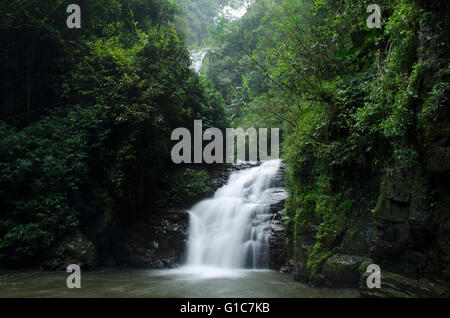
x,y
406,234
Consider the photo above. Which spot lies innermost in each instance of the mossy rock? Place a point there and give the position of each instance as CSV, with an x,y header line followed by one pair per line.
x,y
331,231
73,250
344,270
398,286
316,259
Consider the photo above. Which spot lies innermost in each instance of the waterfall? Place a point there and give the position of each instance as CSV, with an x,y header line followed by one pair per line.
x,y
197,57
231,229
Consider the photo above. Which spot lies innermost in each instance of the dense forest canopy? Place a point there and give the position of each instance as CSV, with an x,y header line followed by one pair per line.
x,y
86,118
364,113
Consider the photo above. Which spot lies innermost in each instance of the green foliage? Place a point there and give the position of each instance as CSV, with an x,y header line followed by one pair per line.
x,y
317,257
42,170
189,186
196,18
99,157
354,103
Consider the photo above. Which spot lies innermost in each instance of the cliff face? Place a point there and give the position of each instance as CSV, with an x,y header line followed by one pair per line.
x,y
412,233
406,234
393,211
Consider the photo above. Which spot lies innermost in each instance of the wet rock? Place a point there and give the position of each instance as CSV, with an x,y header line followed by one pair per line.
x,y
219,174
394,285
76,249
277,245
279,215
275,198
278,181
288,268
156,242
218,182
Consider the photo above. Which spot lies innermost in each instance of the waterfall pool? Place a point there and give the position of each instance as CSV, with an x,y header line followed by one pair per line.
x,y
179,282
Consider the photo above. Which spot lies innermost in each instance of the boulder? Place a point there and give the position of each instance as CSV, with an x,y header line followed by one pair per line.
x,y
344,270
394,285
75,249
288,268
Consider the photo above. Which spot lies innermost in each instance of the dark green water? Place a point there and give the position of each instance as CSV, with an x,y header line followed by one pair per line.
x,y
165,283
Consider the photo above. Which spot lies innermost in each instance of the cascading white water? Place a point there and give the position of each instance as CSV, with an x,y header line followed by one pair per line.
x,y
197,57
231,229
